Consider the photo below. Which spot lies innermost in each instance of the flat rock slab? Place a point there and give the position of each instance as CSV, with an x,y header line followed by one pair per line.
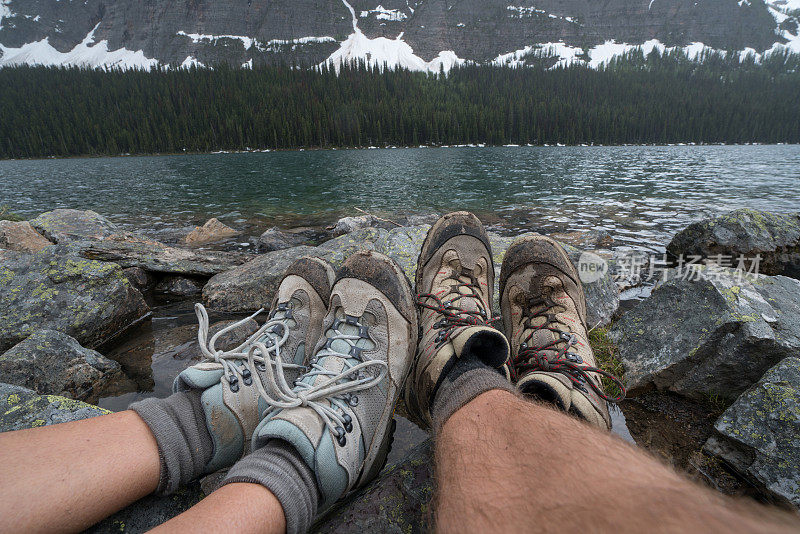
x,y
89,300
129,250
711,337
748,232
68,225
759,435
52,363
21,236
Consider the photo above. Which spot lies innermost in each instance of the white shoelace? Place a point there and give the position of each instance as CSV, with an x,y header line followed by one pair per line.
x,y
240,361
322,397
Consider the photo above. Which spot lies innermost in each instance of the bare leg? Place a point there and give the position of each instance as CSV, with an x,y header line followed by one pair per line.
x,y
239,507
537,469
67,477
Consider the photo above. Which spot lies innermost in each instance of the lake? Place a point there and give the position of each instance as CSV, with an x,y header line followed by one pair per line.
x,y
640,194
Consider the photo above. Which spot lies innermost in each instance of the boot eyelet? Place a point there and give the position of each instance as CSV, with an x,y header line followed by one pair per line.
x,y
353,401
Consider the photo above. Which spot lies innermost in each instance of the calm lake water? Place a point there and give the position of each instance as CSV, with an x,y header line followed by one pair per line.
x,y
641,195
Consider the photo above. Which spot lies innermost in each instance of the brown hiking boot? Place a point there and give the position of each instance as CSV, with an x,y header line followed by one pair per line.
x,y
544,315
454,281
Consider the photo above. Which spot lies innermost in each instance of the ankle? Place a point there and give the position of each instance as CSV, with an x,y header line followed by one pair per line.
x,y
461,387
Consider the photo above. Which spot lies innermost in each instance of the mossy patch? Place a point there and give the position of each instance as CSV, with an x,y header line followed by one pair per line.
x,y
606,354
7,215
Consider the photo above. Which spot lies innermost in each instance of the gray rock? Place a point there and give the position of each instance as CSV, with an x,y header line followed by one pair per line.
x,y
339,249
709,336
399,500
69,225
759,435
748,232
345,225
251,286
88,300
52,363
139,278
276,239
21,236
22,408
213,230
179,286
403,246
129,250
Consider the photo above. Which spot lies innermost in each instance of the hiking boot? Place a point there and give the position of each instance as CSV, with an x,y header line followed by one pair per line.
x,y
544,315
339,415
454,282
231,399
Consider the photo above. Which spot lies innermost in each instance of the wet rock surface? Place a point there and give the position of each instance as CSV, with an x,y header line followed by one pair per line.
x,y
21,237
88,300
179,286
774,237
709,338
213,230
53,363
70,225
758,434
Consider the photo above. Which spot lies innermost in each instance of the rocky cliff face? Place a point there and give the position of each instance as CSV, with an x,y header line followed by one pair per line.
x,y
411,33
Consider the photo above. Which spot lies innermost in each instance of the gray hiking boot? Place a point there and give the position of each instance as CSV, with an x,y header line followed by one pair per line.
x,y
231,401
455,280
339,415
544,316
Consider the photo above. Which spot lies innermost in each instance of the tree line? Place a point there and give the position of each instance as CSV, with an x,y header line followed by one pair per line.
x,y
636,98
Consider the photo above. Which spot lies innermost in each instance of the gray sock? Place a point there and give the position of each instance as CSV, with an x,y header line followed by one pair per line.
x,y
278,467
468,378
184,444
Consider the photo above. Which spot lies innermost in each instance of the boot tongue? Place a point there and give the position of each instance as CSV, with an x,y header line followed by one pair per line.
x,y
335,363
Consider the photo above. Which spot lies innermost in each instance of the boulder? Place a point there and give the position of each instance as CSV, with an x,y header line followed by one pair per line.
x,y
21,236
403,246
345,225
709,336
213,230
275,239
339,249
52,363
89,300
129,250
22,408
139,278
69,225
252,285
758,434
747,232
399,500
179,286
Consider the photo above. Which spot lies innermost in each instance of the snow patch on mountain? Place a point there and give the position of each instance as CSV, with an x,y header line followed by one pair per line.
x,y
250,42
84,54
5,11
391,53
381,13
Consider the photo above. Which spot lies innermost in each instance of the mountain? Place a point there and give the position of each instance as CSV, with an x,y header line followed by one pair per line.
x,y
416,34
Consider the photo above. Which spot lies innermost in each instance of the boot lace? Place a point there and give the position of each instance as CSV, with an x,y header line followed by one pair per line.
x,y
453,316
327,398
559,359
236,363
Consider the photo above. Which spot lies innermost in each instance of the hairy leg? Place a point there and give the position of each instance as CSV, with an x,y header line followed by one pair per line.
x,y
67,477
537,469
239,507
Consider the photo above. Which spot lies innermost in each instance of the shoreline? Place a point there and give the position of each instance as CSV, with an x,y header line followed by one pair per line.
x,y
391,147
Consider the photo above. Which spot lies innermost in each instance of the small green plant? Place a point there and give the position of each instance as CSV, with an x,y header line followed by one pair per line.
x,y
606,353
716,403
7,215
